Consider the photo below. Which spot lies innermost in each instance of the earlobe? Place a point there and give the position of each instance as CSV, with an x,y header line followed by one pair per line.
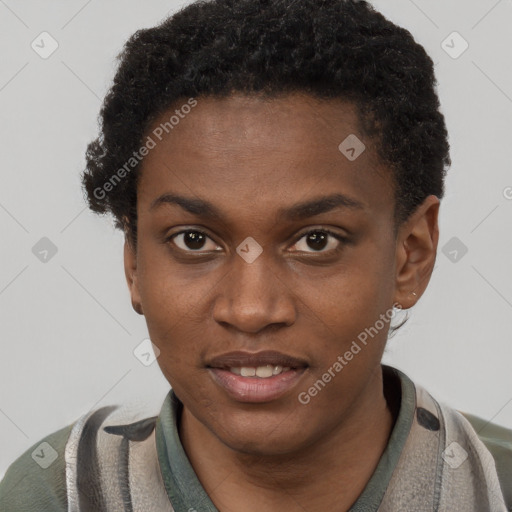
x,y
416,252
130,270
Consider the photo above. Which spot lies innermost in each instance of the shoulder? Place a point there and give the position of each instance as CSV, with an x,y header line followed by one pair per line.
x,y
54,470
498,440
36,481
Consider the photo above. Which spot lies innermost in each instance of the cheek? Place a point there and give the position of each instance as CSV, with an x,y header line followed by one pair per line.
x,y
352,312
168,294
171,306
355,294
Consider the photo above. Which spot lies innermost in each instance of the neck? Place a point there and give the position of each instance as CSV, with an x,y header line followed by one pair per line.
x,y
345,458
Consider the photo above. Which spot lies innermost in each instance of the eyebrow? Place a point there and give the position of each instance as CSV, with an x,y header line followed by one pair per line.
x,y
300,211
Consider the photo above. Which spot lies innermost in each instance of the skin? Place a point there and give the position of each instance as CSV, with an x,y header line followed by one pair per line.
x,y
295,298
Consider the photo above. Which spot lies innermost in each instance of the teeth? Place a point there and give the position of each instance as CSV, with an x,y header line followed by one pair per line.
x,y
277,370
247,372
263,372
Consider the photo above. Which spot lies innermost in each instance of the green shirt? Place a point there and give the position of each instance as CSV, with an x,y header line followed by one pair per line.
x,y
29,486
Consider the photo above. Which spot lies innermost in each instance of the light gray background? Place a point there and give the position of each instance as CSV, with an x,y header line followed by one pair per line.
x,y
67,327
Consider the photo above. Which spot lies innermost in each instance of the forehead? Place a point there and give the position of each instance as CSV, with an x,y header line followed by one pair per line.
x,y
287,148
255,123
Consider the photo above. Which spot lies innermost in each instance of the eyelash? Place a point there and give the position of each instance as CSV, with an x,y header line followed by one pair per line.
x,y
335,235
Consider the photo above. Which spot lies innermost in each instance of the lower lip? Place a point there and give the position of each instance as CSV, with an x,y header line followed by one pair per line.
x,y
254,389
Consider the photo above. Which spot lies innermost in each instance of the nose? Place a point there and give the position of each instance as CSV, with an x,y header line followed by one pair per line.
x,y
254,296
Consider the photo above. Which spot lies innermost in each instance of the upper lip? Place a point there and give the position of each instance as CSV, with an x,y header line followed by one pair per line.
x,y
247,359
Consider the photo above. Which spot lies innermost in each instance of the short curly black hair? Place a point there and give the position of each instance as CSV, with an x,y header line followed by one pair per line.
x,y
326,48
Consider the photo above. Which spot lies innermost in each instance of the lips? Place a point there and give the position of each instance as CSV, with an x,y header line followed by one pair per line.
x,y
253,360
232,373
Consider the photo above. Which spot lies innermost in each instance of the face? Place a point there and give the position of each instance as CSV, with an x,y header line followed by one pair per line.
x,y
261,245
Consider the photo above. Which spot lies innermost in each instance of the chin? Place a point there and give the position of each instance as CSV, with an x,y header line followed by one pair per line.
x,y
260,438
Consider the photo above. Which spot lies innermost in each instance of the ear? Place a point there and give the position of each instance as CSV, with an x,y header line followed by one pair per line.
x,y
416,251
130,270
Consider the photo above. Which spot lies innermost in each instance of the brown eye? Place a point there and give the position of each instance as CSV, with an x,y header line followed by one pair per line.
x,y
192,240
319,239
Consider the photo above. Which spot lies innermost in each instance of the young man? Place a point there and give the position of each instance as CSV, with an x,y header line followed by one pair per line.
x,y
277,168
